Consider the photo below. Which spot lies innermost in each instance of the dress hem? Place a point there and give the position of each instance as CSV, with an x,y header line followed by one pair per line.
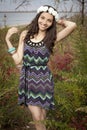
x,y
27,104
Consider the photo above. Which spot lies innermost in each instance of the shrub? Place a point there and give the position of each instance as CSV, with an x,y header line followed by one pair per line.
x,y
11,115
68,97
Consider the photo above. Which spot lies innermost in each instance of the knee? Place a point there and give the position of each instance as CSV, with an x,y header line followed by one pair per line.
x,y
37,113
37,117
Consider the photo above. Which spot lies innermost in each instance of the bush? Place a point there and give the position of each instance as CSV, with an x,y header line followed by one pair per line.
x,y
11,115
68,97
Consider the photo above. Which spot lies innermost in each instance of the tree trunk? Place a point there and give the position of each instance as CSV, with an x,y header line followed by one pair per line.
x,y
82,21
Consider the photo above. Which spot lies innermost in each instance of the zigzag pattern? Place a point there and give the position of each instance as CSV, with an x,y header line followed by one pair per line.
x,y
36,84
38,88
34,59
37,95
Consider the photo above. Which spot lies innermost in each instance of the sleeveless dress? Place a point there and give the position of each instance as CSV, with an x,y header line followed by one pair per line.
x,y
36,86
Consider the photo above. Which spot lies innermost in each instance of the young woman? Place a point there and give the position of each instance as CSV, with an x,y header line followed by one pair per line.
x,y
36,88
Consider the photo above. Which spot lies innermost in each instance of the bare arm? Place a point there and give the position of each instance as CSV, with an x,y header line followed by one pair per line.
x,y
18,55
68,28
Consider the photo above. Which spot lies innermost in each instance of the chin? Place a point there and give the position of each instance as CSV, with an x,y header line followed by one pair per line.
x,y
42,29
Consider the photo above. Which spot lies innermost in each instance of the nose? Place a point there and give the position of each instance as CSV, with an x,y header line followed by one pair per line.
x,y
44,21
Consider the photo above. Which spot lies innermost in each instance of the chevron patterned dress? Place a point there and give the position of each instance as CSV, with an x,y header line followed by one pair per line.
x,y
36,85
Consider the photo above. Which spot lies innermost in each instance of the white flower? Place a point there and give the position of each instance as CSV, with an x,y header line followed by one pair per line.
x,y
50,10
42,8
45,8
39,9
54,13
57,17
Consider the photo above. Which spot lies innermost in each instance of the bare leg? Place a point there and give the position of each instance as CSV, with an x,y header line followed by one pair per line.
x,y
38,115
44,113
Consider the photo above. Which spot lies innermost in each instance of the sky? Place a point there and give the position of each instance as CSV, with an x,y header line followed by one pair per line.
x,y
10,5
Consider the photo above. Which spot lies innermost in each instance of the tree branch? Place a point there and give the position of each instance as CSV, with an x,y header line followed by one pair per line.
x,y
21,4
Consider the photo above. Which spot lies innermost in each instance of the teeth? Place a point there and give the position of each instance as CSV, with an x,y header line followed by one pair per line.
x,y
43,26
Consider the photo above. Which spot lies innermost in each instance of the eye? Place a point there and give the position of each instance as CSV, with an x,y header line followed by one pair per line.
x,y
49,20
42,17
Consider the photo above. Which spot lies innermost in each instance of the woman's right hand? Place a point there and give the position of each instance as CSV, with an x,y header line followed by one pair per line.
x,y
10,32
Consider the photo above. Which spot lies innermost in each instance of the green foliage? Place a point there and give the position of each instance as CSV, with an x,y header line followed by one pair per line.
x,y
80,68
68,97
8,75
8,72
81,50
11,115
58,125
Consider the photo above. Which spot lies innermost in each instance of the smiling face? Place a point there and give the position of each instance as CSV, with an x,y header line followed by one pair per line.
x,y
45,21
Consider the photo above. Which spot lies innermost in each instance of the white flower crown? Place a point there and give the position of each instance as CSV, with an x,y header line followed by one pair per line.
x,y
49,10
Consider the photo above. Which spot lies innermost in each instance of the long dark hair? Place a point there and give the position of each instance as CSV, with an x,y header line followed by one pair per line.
x,y
51,33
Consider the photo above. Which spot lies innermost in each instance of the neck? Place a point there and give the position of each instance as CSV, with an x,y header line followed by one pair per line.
x,y
40,35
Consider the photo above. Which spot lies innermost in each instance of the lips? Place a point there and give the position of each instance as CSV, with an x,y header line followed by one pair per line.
x,y
42,26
